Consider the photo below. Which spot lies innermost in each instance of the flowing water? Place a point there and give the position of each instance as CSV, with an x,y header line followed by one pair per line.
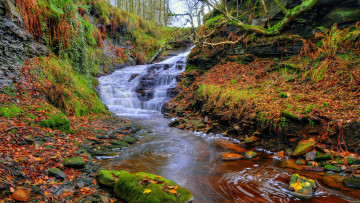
x,y
190,159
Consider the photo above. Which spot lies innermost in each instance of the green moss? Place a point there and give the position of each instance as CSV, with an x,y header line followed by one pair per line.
x,y
352,182
129,187
323,157
58,121
291,116
74,162
307,185
109,177
329,167
10,110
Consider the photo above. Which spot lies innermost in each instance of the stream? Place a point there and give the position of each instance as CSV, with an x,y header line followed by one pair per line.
x,y
191,159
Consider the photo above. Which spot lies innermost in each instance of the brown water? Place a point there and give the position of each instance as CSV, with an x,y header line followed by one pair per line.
x,y
193,161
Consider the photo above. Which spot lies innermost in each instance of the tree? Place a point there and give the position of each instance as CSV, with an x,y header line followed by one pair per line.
x,y
289,15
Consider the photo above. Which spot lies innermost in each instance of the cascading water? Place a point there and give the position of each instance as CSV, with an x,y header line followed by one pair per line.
x,y
141,90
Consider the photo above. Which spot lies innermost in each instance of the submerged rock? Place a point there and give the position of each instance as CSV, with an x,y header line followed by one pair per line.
x,y
149,188
304,146
352,182
226,156
301,185
251,139
229,145
74,162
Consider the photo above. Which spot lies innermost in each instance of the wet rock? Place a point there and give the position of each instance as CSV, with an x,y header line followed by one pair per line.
x,y
102,136
316,169
101,151
329,167
118,144
206,119
251,139
108,177
300,161
174,123
57,173
280,154
350,160
310,155
333,180
146,187
290,163
304,146
21,194
288,151
323,157
229,145
226,156
74,162
302,185
130,140
352,182
250,154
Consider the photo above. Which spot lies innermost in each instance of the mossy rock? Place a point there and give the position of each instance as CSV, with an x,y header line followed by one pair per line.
x,y
174,123
109,177
304,147
300,161
251,139
302,185
149,188
101,151
329,167
57,173
74,162
250,154
58,121
323,157
118,144
350,160
130,140
352,182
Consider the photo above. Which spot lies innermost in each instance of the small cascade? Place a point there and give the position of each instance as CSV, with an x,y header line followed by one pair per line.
x,y
142,90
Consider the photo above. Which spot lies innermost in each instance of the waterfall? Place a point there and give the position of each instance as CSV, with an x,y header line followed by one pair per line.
x,y
143,89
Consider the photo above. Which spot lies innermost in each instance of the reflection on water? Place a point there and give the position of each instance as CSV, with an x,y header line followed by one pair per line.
x,y
194,162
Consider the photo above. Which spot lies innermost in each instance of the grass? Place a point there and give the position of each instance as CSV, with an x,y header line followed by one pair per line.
x,y
10,110
57,121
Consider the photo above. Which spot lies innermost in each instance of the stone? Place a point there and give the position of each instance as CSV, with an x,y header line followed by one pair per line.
x,y
250,154
323,157
226,156
57,173
329,167
206,119
174,123
352,182
101,151
21,194
150,188
304,146
310,156
130,140
108,177
74,162
291,163
251,139
316,169
280,154
302,185
229,145
300,161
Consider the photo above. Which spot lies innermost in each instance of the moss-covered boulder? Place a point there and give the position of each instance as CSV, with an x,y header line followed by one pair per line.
x,y
352,182
250,154
304,146
101,151
329,167
57,173
109,177
74,162
149,188
130,140
302,186
323,157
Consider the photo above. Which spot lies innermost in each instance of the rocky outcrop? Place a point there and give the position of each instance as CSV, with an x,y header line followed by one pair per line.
x,y
16,45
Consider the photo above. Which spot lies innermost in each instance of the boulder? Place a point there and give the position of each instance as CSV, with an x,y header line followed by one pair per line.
x,y
323,157
74,162
57,173
149,188
310,156
108,177
302,186
130,140
228,145
304,146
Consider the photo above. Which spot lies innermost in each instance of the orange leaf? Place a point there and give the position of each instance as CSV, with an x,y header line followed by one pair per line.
x,y
176,187
173,191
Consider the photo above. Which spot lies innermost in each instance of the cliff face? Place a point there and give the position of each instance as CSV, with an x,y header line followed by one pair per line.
x,y
16,45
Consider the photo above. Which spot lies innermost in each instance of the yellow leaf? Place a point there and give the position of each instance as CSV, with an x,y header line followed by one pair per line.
x,y
173,191
158,176
146,191
297,186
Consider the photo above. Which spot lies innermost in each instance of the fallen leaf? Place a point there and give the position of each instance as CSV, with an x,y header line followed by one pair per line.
x,y
146,191
173,191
